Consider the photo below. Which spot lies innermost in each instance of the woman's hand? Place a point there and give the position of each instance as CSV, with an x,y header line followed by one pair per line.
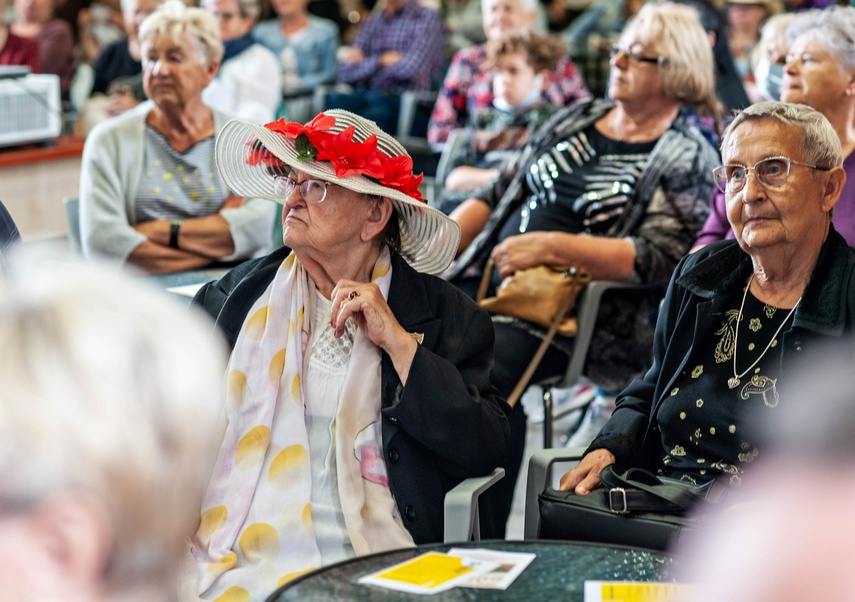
x,y
365,304
522,251
585,476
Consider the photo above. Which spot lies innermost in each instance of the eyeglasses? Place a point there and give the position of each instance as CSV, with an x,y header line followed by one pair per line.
x,y
771,173
312,191
615,50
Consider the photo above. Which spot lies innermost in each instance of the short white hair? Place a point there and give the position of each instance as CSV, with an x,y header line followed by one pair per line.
x,y
112,389
173,19
529,6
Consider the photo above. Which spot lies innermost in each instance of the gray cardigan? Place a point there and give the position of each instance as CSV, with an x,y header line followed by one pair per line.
x,y
112,163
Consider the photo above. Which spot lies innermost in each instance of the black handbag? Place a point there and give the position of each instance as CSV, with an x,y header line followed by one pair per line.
x,y
633,507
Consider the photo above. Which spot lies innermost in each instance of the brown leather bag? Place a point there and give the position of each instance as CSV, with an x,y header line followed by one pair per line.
x,y
543,295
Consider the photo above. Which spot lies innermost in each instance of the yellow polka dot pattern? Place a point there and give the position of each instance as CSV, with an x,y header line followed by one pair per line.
x,y
235,389
234,594
252,447
276,366
259,541
254,327
289,467
291,576
212,519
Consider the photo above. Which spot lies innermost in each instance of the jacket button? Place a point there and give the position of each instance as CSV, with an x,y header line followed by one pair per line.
x,y
393,420
410,511
797,345
394,455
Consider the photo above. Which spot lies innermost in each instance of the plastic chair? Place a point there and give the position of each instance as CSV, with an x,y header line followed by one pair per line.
x,y
72,219
539,476
587,310
461,508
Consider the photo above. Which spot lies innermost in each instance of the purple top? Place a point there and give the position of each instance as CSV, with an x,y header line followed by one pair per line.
x,y
414,31
718,228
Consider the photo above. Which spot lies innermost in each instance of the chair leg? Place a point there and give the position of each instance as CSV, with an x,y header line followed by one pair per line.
x,y
547,416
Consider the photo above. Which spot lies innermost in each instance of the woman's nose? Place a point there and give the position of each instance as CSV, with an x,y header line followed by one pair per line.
x,y
753,191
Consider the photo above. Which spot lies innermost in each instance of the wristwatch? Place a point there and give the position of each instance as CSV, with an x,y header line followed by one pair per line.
x,y
174,227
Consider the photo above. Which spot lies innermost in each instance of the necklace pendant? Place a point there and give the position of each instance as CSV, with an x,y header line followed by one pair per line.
x,y
733,382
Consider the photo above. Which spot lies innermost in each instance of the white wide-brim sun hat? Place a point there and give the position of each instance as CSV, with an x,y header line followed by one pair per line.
x,y
429,239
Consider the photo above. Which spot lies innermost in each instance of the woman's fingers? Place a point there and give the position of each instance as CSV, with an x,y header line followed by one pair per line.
x,y
585,476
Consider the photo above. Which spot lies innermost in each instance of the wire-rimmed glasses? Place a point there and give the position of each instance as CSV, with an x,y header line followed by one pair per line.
x,y
771,172
312,191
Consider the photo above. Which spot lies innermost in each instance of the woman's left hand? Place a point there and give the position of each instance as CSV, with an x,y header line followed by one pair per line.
x,y
520,252
365,304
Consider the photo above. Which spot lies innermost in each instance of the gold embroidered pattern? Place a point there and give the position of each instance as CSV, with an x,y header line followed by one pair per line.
x,y
697,371
724,349
769,310
754,324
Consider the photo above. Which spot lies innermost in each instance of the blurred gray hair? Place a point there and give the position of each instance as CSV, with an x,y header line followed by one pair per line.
x,y
833,28
112,389
528,5
819,140
173,19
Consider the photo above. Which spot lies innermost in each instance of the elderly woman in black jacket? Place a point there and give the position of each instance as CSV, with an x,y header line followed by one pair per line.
x,y
738,313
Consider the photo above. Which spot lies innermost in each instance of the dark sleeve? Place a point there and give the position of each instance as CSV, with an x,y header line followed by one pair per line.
x,y
449,404
624,432
102,70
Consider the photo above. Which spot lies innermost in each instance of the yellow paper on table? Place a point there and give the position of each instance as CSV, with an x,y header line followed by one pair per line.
x,y
429,573
632,591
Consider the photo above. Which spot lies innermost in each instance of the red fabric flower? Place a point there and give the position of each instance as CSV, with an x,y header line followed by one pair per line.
x,y
398,174
257,154
349,157
292,129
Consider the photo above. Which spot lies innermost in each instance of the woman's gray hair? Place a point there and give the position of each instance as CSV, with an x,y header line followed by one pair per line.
x,y
249,9
113,390
833,28
688,72
819,140
174,19
530,6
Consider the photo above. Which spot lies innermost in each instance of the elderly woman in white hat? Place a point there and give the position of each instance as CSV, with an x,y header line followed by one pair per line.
x,y
358,389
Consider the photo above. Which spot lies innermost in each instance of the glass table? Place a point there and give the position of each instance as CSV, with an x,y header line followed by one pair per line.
x,y
558,573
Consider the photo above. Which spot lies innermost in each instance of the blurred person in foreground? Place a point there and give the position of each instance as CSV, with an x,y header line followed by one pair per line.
x,y
109,417
359,385
150,193
740,315
791,538
617,186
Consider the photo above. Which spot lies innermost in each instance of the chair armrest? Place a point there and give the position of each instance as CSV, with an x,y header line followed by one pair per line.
x,y
461,507
449,149
539,473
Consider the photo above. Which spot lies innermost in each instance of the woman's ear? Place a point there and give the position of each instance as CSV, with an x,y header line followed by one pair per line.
x,y
377,218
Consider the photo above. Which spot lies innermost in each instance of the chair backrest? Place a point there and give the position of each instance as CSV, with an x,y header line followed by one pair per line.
x,y
9,235
72,218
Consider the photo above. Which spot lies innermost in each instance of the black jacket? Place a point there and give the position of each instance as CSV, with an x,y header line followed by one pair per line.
x,y
693,306
449,423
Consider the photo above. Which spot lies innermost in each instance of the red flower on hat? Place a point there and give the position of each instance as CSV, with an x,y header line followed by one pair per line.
x,y
292,129
349,157
398,174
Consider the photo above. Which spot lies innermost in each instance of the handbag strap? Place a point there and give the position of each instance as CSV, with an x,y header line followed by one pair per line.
x,y
568,300
485,280
637,490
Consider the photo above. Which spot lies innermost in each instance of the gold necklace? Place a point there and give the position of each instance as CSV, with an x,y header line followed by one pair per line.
x,y
734,382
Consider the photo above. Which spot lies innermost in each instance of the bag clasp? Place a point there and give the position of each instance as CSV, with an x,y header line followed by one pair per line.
x,y
617,500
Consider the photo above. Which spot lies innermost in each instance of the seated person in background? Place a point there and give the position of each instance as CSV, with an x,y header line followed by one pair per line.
x,y
819,72
15,50
249,83
623,197
399,49
305,44
109,411
602,20
371,361
768,58
740,315
34,20
744,18
468,86
117,72
98,24
150,193
521,63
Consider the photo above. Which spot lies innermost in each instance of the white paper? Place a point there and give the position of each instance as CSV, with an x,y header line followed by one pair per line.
x,y
509,566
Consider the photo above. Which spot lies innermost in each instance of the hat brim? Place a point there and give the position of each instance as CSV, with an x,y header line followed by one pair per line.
x,y
429,239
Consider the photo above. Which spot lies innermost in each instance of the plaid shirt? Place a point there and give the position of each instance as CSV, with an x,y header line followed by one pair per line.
x,y
414,31
468,90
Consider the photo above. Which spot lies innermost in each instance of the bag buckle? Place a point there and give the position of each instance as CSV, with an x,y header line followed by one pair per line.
x,y
617,500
